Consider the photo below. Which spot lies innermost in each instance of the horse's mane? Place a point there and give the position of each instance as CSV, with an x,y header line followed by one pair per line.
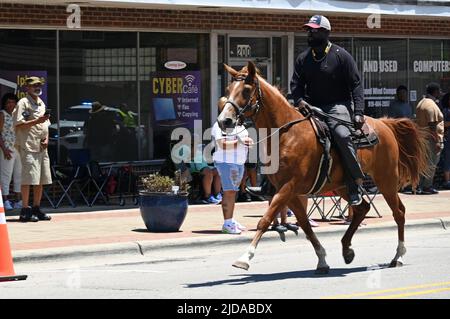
x,y
276,91
243,73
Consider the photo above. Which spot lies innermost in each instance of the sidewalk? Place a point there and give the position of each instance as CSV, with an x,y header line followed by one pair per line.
x,y
108,230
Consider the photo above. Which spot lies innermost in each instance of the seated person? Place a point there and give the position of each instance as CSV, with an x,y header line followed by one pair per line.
x,y
249,173
210,178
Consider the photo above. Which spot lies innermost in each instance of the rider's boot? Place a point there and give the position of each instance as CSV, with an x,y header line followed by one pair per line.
x,y
355,193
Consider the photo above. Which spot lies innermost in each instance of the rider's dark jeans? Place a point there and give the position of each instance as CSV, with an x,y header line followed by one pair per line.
x,y
341,136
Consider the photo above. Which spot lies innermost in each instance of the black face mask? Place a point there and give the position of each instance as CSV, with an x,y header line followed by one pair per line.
x,y
317,39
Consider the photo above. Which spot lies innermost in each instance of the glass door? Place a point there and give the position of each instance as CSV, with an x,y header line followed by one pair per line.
x,y
242,49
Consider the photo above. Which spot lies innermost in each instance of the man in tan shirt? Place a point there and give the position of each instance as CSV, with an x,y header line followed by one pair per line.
x,y
428,115
32,122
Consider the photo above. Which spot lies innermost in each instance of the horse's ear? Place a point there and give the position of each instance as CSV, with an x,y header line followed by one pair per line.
x,y
230,70
251,67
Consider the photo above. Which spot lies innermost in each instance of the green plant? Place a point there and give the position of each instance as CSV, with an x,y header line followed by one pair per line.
x,y
156,183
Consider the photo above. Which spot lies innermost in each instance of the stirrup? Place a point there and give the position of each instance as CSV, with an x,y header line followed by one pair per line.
x,y
356,201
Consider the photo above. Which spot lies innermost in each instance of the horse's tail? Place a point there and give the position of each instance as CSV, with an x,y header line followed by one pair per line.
x,y
413,148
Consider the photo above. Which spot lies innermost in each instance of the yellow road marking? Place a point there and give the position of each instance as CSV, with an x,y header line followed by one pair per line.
x,y
426,292
379,292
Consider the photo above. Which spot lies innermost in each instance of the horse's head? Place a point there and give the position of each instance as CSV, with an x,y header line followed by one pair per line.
x,y
243,99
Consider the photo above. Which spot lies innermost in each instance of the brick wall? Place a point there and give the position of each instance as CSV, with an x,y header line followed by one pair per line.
x,y
55,16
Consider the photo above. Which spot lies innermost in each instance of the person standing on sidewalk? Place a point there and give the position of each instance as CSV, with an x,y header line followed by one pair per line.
x,y
10,164
400,107
429,116
32,122
230,154
445,107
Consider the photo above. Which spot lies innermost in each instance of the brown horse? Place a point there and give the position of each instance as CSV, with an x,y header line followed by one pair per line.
x,y
398,159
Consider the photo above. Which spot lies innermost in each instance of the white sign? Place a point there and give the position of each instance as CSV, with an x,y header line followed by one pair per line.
x,y
175,65
431,66
244,51
413,96
360,6
380,66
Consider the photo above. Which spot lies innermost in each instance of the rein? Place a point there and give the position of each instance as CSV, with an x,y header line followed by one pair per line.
x,y
255,108
318,111
283,127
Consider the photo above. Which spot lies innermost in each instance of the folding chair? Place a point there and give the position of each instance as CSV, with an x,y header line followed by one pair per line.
x,y
336,206
318,202
99,180
369,198
369,184
67,177
47,196
74,175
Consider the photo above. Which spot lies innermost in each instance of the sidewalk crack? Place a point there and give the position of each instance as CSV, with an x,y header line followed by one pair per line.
x,y
140,248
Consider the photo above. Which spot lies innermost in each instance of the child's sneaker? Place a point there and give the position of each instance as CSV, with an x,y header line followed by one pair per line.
x,y
7,205
231,229
219,198
211,200
239,226
313,223
18,205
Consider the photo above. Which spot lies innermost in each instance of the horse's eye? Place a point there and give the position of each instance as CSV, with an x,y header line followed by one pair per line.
x,y
246,93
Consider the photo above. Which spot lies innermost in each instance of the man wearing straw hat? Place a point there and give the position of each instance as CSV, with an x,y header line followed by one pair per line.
x,y
32,122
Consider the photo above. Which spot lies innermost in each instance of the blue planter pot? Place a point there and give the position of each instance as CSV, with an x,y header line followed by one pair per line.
x,y
163,212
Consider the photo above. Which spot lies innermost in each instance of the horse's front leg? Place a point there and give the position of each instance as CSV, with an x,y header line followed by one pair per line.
x,y
278,202
299,205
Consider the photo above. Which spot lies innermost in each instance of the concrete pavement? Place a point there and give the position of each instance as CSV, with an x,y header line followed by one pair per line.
x,y
278,271
70,235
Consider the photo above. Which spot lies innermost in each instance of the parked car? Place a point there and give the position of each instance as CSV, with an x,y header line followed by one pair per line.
x,y
71,126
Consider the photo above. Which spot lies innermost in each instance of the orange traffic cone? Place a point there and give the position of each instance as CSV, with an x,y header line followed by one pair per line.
x,y
6,262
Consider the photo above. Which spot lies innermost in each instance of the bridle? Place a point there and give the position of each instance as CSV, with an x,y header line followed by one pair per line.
x,y
255,107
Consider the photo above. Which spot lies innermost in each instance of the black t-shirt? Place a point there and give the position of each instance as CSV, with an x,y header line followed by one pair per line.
x,y
334,79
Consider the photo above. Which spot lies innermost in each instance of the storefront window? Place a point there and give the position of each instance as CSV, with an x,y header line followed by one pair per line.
x,y
429,62
99,66
277,63
221,76
301,44
26,53
383,67
175,91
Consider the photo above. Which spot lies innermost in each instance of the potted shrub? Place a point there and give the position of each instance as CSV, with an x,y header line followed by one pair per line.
x,y
163,202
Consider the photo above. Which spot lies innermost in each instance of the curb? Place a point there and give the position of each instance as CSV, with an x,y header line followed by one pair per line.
x,y
145,248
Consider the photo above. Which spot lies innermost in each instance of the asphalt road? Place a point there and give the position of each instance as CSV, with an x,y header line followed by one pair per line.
x,y
286,270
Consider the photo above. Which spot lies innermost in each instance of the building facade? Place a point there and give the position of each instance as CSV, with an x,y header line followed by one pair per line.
x,y
164,59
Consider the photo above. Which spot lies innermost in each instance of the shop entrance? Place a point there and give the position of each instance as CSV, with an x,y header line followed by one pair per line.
x,y
241,49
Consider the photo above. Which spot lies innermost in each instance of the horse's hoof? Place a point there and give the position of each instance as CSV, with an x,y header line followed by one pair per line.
x,y
322,270
395,263
241,265
349,255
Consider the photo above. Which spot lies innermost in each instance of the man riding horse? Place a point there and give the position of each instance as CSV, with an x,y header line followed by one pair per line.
x,y
326,77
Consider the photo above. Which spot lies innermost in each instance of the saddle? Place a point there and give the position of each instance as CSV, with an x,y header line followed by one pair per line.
x,y
364,138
